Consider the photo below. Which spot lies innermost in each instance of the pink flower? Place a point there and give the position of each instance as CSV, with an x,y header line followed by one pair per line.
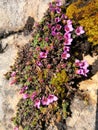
x,y
82,72
67,38
68,28
13,74
81,64
77,62
49,25
46,39
34,94
16,128
37,103
68,41
39,63
53,28
53,33
59,36
25,96
37,48
58,27
67,35
63,16
57,19
23,89
45,101
69,22
79,71
13,81
36,24
66,48
51,7
79,30
58,10
52,98
85,72
43,54
58,3
84,64
65,55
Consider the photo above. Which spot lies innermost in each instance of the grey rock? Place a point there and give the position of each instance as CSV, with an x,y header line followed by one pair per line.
x,y
52,127
83,116
15,13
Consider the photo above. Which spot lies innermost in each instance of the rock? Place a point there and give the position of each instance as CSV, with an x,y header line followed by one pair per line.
x,y
90,59
52,127
17,39
15,13
8,94
91,86
83,116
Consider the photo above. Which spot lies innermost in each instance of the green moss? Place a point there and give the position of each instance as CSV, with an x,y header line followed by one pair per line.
x,y
58,80
65,112
34,122
87,16
45,71
26,128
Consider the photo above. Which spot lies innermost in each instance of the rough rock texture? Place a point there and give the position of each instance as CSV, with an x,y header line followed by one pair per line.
x,y
16,39
83,116
14,13
9,95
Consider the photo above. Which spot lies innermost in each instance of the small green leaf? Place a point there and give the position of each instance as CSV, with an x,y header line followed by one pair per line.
x,y
65,106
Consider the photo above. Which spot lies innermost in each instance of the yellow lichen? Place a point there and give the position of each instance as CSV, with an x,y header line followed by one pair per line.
x,y
86,13
59,78
58,81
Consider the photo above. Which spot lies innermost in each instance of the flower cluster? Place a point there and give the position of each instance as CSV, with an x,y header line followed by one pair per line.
x,y
56,8
61,29
79,30
45,101
81,67
43,54
31,96
63,33
23,89
37,102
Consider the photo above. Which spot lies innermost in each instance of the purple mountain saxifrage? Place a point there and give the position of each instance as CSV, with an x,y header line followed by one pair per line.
x,y
47,70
